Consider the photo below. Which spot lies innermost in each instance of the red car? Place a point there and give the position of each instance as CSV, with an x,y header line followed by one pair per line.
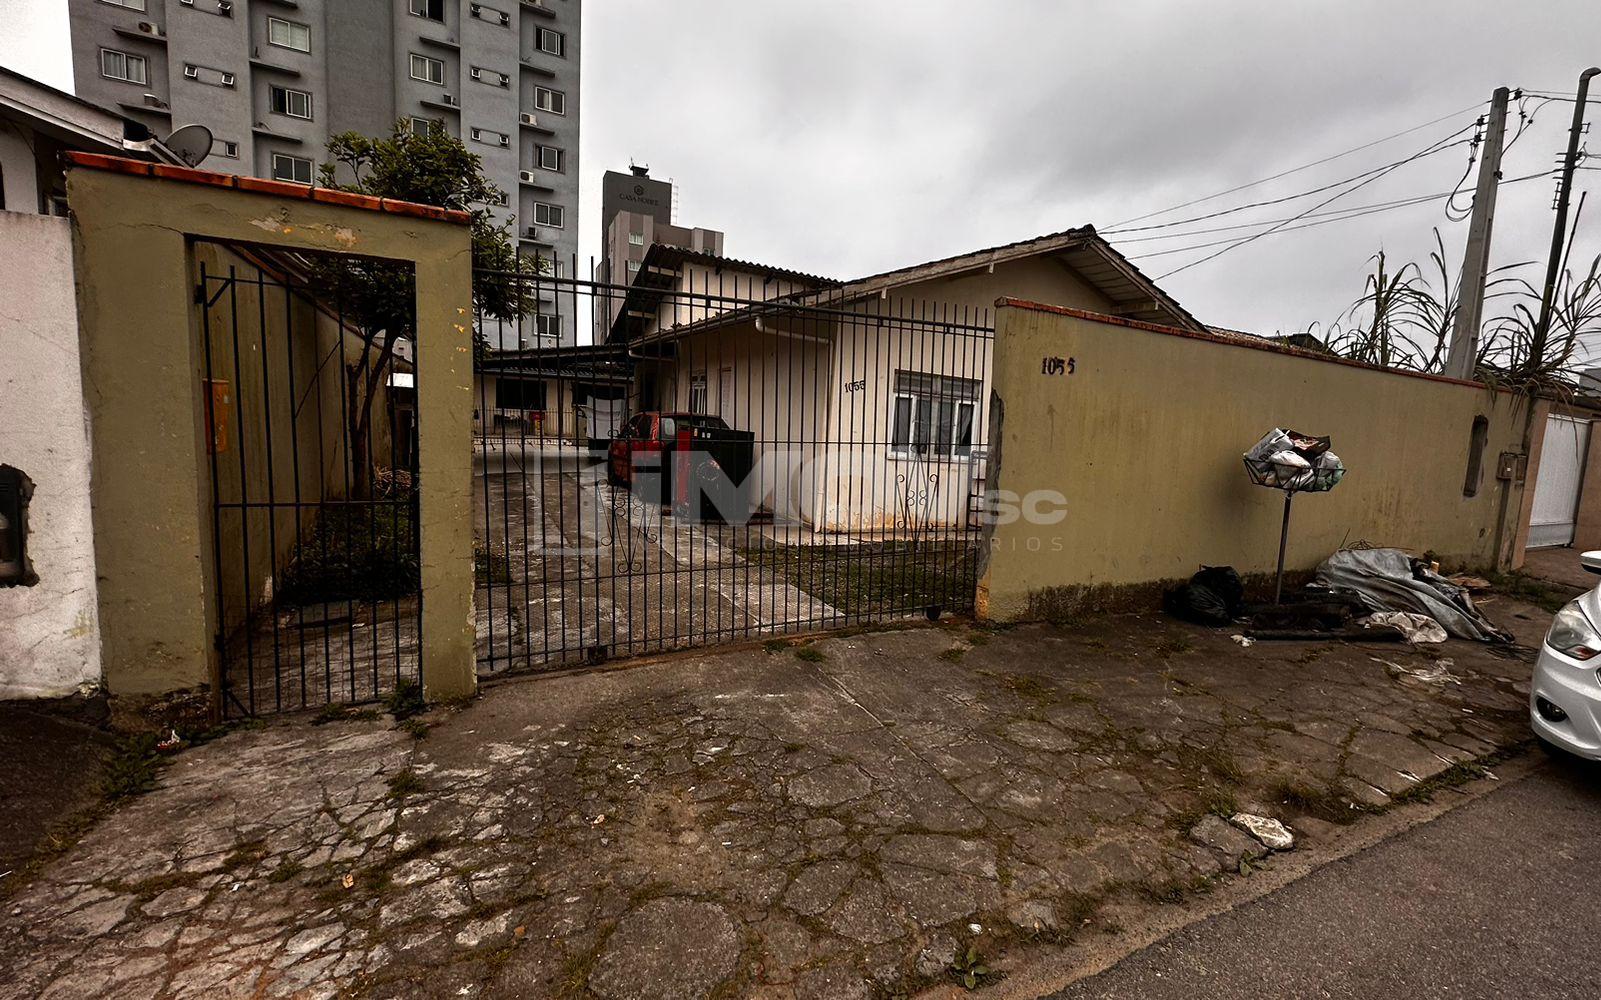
x,y
639,444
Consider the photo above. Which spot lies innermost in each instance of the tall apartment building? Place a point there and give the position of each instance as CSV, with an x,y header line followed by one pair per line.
x,y
636,211
272,79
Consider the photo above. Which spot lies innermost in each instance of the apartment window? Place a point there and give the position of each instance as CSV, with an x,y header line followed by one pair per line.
x,y
228,148
697,393
424,126
636,239
549,157
633,267
130,4
433,10
123,66
291,102
932,415
427,70
548,326
548,215
553,42
291,168
288,34
553,101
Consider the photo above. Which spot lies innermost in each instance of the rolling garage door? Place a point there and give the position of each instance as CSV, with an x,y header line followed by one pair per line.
x,y
1556,486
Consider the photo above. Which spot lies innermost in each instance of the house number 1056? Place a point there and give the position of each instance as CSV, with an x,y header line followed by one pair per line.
x,y
1057,366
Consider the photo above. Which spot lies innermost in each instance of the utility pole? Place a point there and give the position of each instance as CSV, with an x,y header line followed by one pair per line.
x,y
1464,350
1559,230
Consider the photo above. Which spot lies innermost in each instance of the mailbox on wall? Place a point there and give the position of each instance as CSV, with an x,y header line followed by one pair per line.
x,y
219,403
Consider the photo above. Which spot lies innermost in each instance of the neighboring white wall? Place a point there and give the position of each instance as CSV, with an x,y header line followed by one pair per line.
x,y
49,632
20,172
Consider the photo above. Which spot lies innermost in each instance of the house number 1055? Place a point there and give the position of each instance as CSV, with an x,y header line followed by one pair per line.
x,y
1057,366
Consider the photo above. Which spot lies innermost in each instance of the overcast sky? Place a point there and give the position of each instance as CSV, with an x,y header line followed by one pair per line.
x,y
845,137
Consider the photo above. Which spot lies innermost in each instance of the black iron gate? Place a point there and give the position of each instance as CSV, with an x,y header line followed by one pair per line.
x,y
310,434
735,455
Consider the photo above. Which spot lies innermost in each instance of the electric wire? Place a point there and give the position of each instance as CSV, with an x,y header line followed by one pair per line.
x,y
1369,173
1304,166
1429,150
1342,215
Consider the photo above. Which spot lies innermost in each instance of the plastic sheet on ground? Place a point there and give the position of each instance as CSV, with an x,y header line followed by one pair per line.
x,y
1417,628
1391,580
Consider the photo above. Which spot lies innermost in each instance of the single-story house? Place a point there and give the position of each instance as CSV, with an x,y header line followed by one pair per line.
x,y
556,395
867,398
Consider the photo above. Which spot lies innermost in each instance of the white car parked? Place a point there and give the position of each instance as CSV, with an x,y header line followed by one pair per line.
x,y
1565,695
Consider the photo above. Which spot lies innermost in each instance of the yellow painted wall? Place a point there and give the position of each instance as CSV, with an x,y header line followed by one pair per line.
x,y
1144,439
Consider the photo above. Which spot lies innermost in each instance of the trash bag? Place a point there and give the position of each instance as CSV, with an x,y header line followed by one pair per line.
x,y
1195,603
1212,597
1225,582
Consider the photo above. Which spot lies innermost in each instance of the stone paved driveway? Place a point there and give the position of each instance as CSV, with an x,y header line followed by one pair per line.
x,y
753,823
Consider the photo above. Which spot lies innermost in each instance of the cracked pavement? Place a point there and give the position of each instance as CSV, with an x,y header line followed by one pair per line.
x,y
748,822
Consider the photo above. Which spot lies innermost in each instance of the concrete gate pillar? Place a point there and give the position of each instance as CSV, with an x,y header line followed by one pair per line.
x,y
134,226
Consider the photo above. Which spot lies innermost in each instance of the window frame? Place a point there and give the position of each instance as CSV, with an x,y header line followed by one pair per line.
x,y
139,5
560,214
424,12
273,22
547,325
561,98
697,380
539,158
273,90
128,58
428,63
560,51
941,416
311,167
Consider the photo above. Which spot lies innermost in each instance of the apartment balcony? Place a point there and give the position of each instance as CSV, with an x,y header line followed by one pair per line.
x,y
146,31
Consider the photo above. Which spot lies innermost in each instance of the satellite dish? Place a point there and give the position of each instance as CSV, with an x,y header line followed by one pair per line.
x,y
190,144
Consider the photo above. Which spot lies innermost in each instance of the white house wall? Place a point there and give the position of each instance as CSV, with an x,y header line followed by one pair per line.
x,y
49,632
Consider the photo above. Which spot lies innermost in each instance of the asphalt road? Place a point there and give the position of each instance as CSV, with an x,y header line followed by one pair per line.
x,y
1498,898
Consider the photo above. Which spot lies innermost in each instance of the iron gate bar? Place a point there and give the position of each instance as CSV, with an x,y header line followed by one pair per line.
x,y
599,590
351,517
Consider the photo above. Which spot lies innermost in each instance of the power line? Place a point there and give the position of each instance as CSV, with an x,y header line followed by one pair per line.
x,y
1328,218
1292,197
1426,151
1304,166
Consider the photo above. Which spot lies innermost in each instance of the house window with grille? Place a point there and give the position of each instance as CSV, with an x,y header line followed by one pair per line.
x,y
932,416
124,66
697,393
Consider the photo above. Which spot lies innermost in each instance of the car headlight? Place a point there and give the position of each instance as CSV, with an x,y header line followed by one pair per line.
x,y
1572,634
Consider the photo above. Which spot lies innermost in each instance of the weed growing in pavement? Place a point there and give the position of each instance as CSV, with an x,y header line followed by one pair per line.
x,y
403,783
970,970
405,700
810,654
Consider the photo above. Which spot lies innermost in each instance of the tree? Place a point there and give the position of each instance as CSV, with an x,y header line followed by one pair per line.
x,y
375,297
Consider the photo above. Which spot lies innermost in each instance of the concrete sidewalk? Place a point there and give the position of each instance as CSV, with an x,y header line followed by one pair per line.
x,y
833,820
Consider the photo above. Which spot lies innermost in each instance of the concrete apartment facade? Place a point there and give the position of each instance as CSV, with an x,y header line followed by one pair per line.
x,y
636,213
273,80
